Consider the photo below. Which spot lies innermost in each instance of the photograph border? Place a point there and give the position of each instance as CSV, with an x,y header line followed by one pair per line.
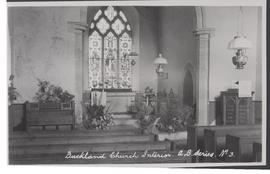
x,y
261,3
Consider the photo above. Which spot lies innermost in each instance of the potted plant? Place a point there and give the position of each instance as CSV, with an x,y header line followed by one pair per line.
x,y
145,116
12,92
53,107
144,111
48,93
172,123
97,117
149,95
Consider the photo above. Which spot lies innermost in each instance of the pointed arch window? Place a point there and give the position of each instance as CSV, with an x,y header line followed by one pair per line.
x,y
110,41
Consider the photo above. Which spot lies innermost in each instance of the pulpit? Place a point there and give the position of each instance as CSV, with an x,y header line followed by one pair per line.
x,y
236,110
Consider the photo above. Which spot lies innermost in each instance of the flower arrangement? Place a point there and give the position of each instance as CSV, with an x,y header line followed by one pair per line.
x,y
144,111
51,93
97,117
175,119
149,95
149,98
12,93
145,116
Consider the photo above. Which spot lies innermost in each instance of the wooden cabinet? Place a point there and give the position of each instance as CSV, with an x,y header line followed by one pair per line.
x,y
49,114
16,116
236,110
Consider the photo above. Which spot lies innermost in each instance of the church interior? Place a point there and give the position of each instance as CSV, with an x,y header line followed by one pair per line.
x,y
144,79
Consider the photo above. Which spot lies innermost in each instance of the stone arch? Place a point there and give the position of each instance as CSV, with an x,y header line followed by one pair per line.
x,y
188,89
203,35
200,16
189,80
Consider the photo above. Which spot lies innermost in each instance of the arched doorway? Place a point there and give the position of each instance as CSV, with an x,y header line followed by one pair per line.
x,y
188,88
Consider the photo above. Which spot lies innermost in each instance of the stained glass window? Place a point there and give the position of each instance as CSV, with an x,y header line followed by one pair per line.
x,y
123,16
110,13
95,63
110,42
125,64
110,56
118,26
97,15
103,25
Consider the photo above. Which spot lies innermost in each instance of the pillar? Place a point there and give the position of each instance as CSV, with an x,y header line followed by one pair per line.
x,y
202,72
79,30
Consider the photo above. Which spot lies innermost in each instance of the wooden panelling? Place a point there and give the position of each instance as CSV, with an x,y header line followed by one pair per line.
x,y
215,112
236,110
257,152
257,111
49,114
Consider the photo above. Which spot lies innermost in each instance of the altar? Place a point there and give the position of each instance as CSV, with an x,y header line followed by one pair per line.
x,y
119,102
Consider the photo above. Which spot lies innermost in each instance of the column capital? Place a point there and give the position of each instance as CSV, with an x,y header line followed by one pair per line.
x,y
204,31
77,26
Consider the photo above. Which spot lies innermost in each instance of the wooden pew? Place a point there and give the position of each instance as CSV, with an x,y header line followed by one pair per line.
x,y
214,140
195,135
257,152
242,147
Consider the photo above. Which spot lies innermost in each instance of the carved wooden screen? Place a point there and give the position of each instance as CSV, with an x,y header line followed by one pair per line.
x,y
110,43
236,110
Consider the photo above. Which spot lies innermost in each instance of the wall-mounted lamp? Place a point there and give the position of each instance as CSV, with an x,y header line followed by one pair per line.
x,y
240,43
160,62
132,56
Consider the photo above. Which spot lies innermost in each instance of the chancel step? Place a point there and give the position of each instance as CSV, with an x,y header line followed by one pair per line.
x,y
124,120
79,140
102,147
117,116
115,130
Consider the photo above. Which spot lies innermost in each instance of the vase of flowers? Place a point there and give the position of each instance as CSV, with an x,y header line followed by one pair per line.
x,y
149,95
145,116
144,111
97,117
48,93
172,123
12,92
